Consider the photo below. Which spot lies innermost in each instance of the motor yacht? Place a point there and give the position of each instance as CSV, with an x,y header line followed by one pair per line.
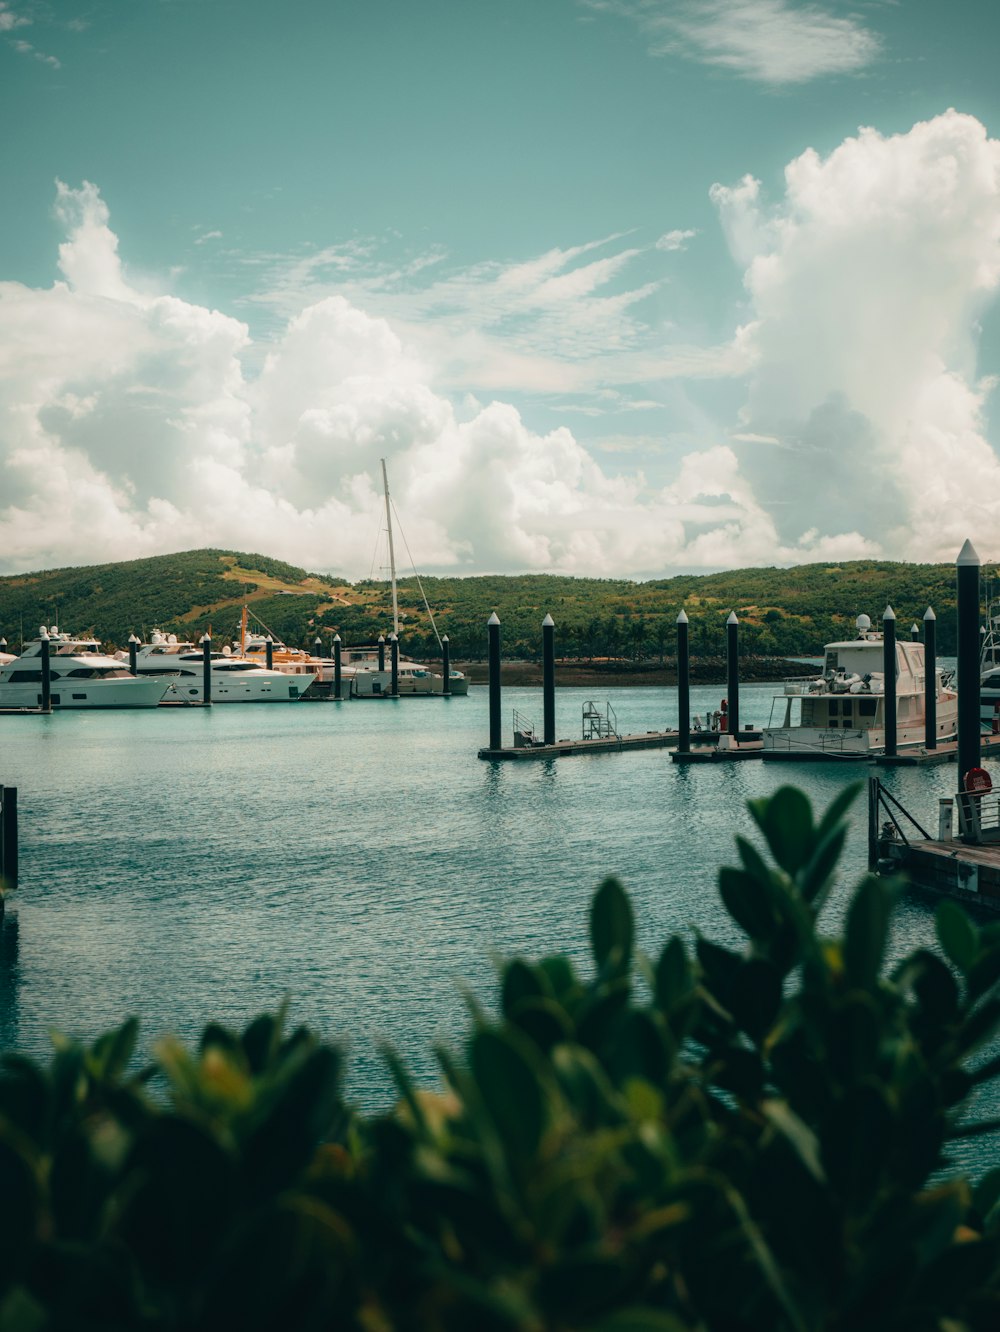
x,y
841,714
235,679
81,675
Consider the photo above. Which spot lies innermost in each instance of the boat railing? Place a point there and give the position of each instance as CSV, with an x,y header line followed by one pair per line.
x,y
978,816
598,725
826,742
524,731
883,803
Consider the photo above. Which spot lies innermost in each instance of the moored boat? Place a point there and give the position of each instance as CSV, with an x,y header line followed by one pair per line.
x,y
80,676
841,713
234,679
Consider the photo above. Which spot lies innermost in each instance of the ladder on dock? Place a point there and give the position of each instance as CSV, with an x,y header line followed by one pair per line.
x,y
598,725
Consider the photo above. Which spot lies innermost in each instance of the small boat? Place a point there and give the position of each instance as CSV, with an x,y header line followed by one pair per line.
x,y
989,670
234,679
81,675
841,714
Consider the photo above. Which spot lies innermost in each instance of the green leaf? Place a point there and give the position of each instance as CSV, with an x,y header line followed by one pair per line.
x,y
786,821
521,981
867,932
956,934
639,1318
837,809
611,927
746,899
509,1083
674,979
798,1134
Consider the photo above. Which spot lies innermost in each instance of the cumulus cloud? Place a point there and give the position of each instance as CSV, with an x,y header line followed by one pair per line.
x,y
9,19
867,282
129,425
675,240
770,41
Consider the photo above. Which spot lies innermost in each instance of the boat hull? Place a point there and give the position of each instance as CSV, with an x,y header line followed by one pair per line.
x,y
87,694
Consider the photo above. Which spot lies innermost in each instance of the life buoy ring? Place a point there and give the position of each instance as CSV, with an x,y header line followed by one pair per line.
x,y
977,781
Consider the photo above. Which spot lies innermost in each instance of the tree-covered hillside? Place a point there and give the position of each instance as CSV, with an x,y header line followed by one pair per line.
x,y
784,612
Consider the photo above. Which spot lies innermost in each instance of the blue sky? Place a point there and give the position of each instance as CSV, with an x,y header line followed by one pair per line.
x,y
621,287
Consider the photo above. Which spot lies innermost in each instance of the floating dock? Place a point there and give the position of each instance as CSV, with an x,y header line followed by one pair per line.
x,y
605,744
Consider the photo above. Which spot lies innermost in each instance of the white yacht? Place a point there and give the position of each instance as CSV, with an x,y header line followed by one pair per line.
x,y
841,714
989,670
80,676
234,679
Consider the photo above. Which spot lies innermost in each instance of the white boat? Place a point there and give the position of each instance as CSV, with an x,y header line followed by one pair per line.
x,y
841,714
80,676
362,677
235,679
989,670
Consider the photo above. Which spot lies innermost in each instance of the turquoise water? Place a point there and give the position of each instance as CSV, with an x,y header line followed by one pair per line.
x,y
193,864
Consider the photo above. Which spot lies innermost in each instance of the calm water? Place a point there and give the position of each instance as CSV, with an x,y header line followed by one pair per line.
x,y
186,865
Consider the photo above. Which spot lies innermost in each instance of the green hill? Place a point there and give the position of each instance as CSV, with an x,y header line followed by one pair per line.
x,y
784,612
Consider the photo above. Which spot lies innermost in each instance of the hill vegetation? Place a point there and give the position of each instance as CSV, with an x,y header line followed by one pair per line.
x,y
783,612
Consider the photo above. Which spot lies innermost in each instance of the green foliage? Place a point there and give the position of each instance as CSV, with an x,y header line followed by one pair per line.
x,y
712,1140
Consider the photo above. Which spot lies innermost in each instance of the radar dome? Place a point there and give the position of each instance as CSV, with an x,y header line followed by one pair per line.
x,y
863,623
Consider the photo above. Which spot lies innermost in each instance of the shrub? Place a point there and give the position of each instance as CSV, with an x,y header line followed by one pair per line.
x,y
715,1140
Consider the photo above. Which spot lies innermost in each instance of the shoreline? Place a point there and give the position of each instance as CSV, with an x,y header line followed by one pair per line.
x,y
575,675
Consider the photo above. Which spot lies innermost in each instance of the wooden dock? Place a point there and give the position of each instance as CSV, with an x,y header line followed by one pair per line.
x,y
719,751
605,744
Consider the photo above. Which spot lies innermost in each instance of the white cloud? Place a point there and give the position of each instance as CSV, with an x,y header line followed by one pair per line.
x,y
770,41
675,240
129,426
867,284
9,20
207,236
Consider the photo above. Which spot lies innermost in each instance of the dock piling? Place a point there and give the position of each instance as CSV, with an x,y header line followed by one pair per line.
x,y
337,668
8,838
45,699
889,679
446,666
493,658
206,669
381,652
549,680
914,632
967,579
394,660
733,675
133,654
683,686
269,652
930,679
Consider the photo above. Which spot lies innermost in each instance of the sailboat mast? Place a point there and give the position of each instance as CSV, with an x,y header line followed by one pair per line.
x,y
392,556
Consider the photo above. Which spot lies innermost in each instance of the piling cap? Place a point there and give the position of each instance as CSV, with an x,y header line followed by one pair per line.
x,y
682,618
269,639
393,638
205,638
494,619
914,628
3,642
888,613
317,639
132,638
446,639
929,614
43,632
967,555
548,622
732,618
381,638
337,638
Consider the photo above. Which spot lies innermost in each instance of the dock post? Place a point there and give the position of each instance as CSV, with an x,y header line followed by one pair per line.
x,y
206,669
930,679
133,654
733,674
446,666
8,838
967,577
337,668
889,679
493,626
269,652
914,632
394,659
683,686
381,652
45,699
873,789
549,680
318,647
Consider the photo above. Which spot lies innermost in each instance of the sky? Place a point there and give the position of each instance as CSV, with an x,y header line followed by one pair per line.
x,y
623,288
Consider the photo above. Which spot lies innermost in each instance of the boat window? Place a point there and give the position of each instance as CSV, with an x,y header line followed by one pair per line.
x,y
25,677
83,672
834,706
867,707
831,662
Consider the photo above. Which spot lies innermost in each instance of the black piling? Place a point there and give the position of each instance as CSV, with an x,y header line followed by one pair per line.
x,y
549,680
269,652
493,659
381,652
914,632
133,654
889,678
446,666
394,659
206,669
45,698
337,675
930,679
683,686
733,673
317,646
967,578
8,838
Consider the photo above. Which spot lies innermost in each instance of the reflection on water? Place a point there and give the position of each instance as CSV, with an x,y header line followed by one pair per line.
x,y
187,865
